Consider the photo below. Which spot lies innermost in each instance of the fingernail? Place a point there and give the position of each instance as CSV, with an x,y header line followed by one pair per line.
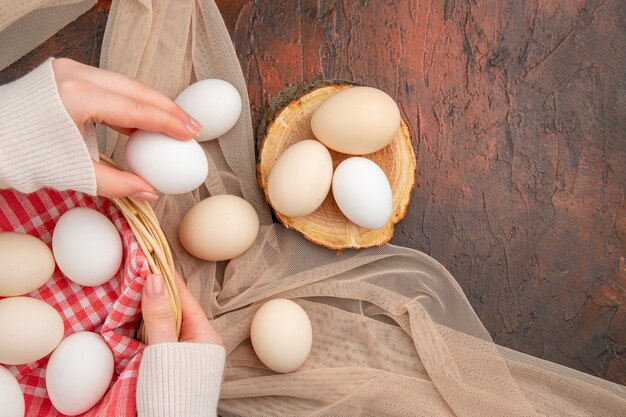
x,y
144,195
193,126
154,286
196,124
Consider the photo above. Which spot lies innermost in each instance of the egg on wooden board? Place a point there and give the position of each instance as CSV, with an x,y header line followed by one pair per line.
x,y
87,246
281,335
11,395
300,178
170,165
26,263
79,372
356,120
216,104
29,330
218,228
362,192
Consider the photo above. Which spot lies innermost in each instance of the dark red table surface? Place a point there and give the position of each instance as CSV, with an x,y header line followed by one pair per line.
x,y
518,115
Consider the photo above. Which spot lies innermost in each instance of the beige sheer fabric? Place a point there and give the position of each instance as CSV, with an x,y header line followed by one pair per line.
x,y
393,333
24,24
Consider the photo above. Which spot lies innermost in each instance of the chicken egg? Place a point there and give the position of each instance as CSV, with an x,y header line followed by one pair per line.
x,y
87,246
171,166
26,263
362,192
79,372
300,179
214,103
11,395
218,228
356,120
30,329
281,335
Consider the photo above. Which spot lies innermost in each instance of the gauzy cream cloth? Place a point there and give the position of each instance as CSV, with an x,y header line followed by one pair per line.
x,y
393,333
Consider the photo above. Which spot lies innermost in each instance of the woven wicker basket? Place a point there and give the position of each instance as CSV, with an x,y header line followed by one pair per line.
x,y
151,239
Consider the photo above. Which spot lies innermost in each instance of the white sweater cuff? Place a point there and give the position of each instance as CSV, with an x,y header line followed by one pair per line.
x,y
40,146
180,379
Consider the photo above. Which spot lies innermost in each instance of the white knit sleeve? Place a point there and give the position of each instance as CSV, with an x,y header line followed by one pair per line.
x,y
180,379
40,146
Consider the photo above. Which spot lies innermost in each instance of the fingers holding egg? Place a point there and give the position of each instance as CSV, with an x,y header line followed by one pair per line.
x,y
169,165
216,104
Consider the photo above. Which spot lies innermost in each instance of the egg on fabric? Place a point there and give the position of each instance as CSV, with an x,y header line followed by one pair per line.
x,y
79,372
300,179
29,330
216,104
26,263
170,165
11,395
362,192
218,228
281,335
87,246
356,120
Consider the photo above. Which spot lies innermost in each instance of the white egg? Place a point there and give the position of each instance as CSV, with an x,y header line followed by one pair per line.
x,y
281,335
362,192
87,246
216,104
171,166
11,395
29,330
79,373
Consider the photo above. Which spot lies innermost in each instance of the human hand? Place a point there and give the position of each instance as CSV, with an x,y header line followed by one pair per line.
x,y
93,95
160,321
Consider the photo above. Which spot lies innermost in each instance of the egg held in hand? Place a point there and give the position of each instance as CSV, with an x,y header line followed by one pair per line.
x,y
87,246
79,372
216,104
29,330
356,120
26,263
300,179
362,192
171,166
281,335
11,395
218,228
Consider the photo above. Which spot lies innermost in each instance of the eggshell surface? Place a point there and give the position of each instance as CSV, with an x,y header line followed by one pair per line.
x,y
29,330
362,192
218,228
357,120
79,372
300,179
171,166
11,395
87,246
216,104
26,263
281,335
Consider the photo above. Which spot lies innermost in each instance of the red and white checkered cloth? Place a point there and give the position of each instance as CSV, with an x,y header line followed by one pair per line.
x,y
111,309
